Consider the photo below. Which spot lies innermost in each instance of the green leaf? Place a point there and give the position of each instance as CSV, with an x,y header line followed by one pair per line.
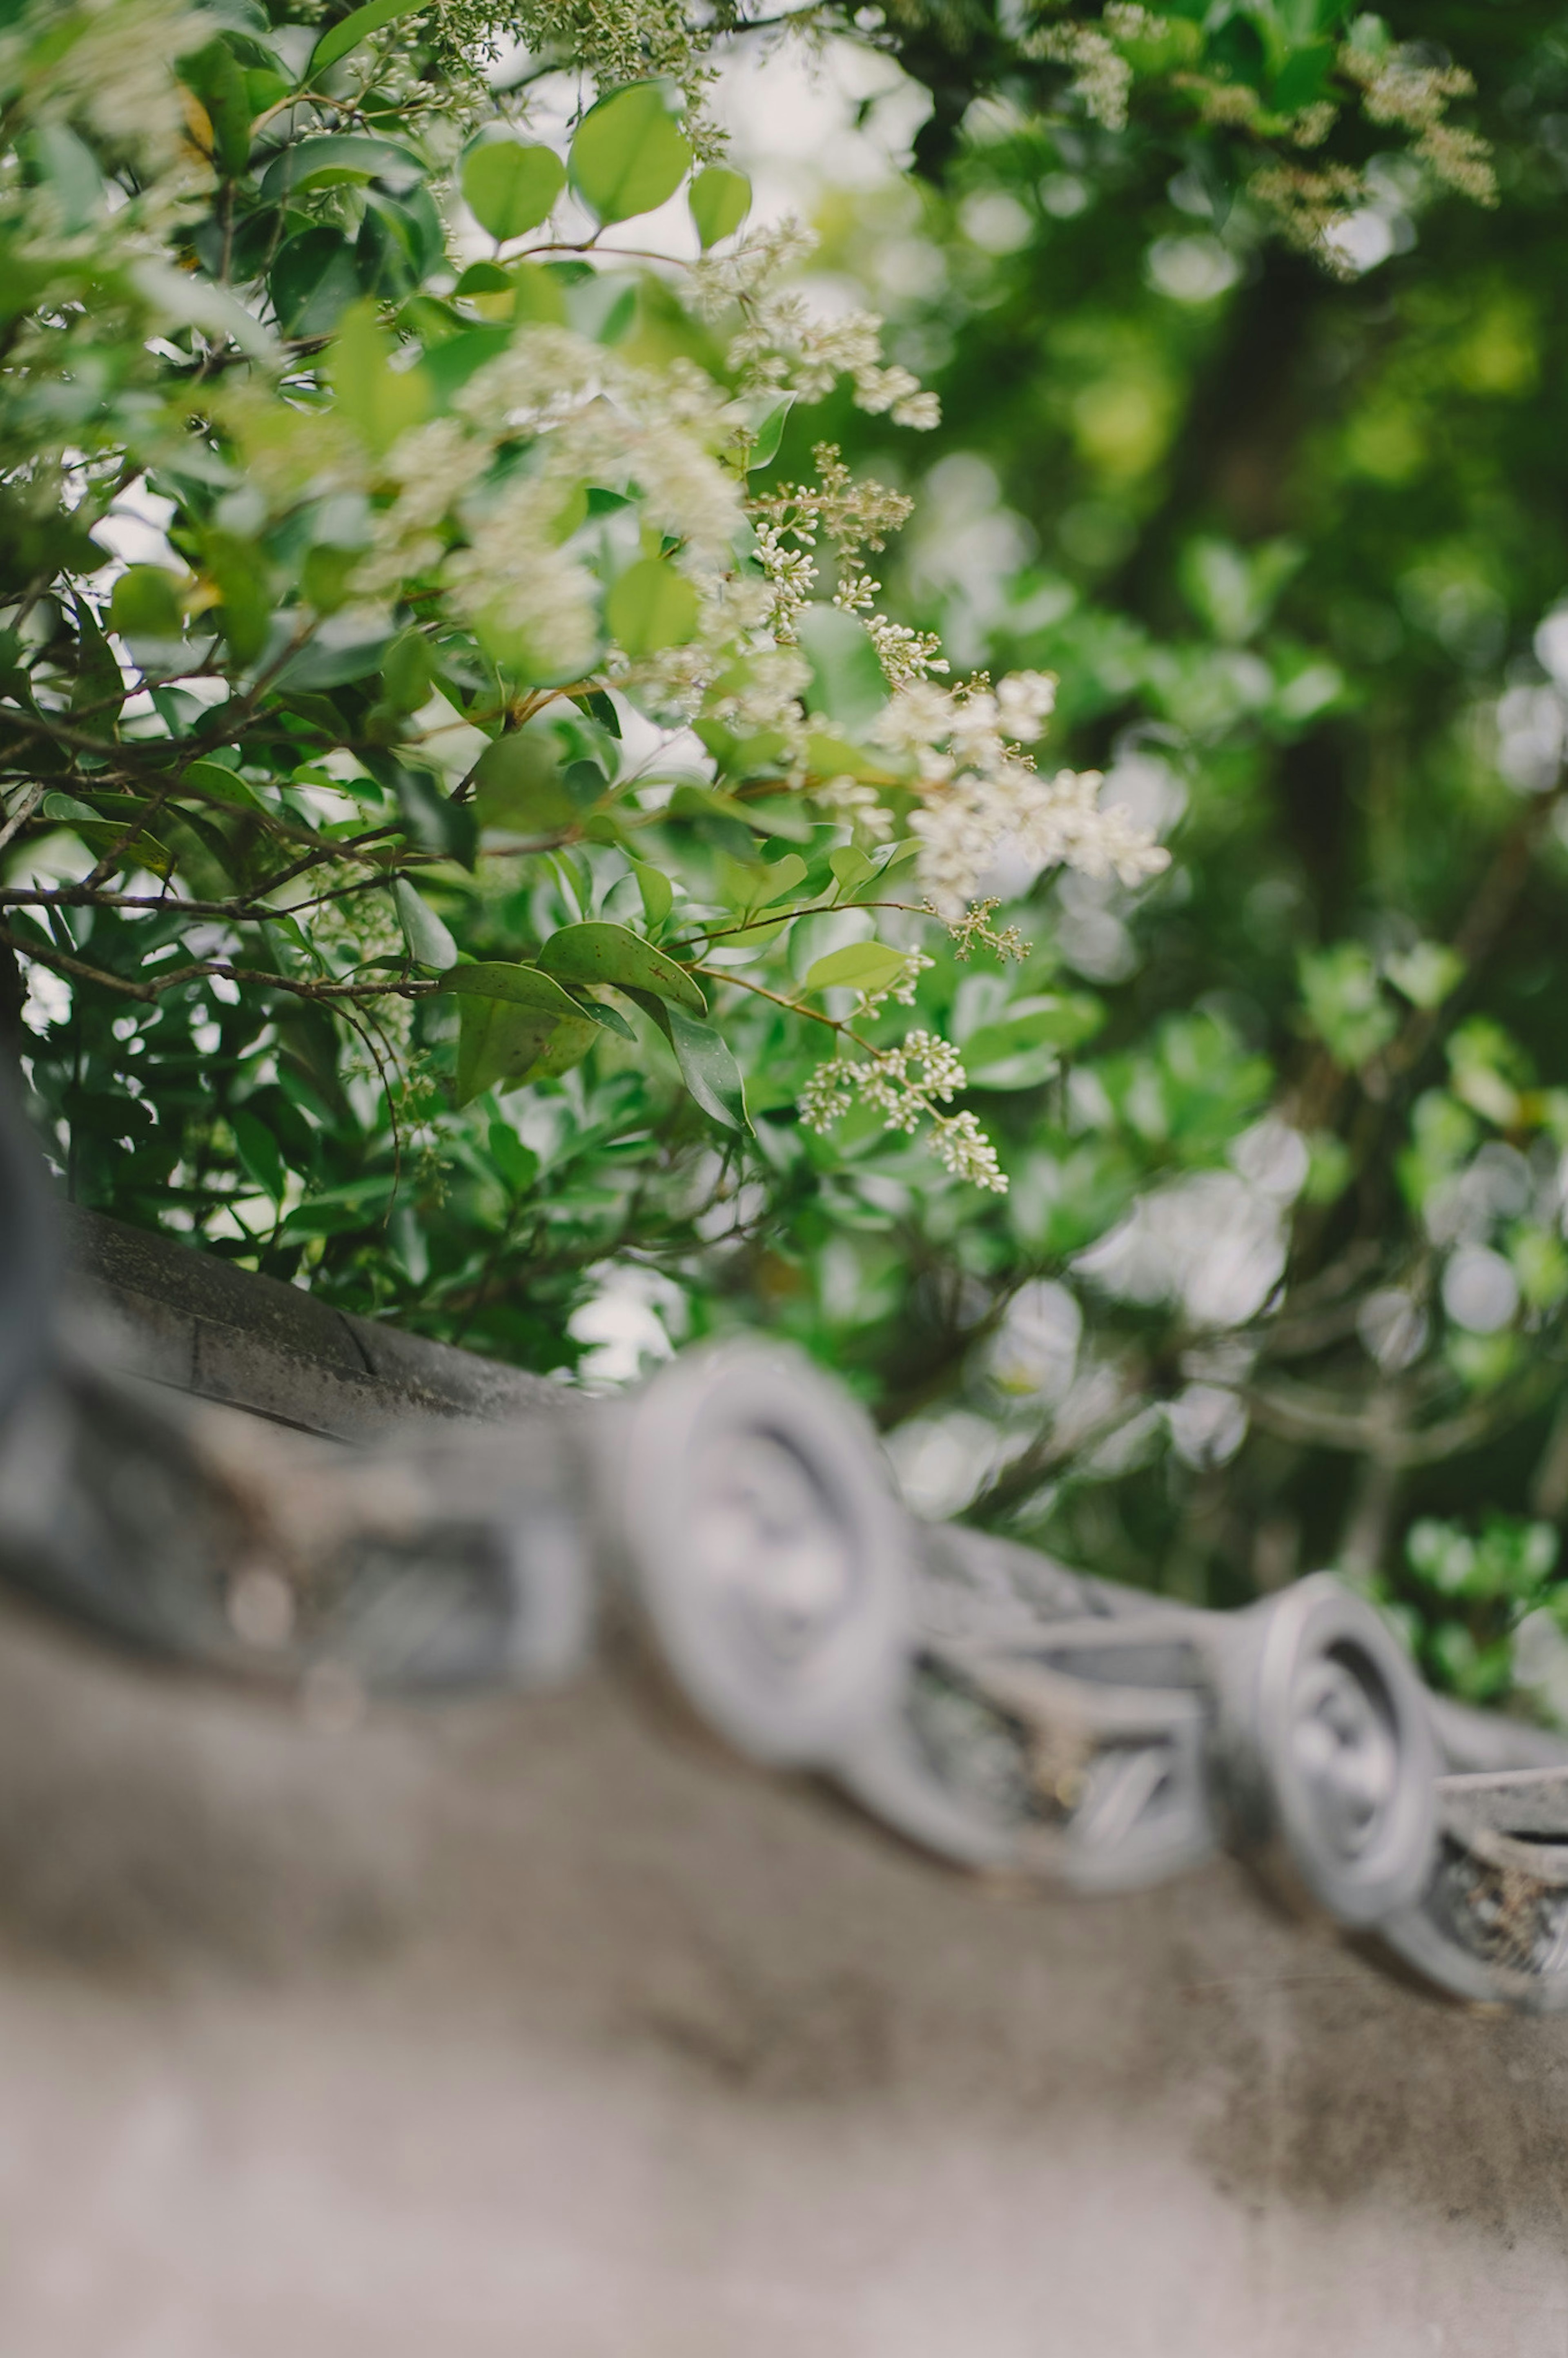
x,y
768,431
400,241
519,986
538,294
335,158
486,278
70,169
67,810
407,672
518,786
605,953
517,1165
431,818
429,943
859,966
1023,1047
499,1042
145,604
356,27
783,879
517,1024
629,154
850,867
211,783
847,680
313,281
212,74
651,607
338,654
835,757
450,364
379,401
709,1069
720,201
258,1151
510,186
1425,974
1344,1005
657,892
239,574
1057,1021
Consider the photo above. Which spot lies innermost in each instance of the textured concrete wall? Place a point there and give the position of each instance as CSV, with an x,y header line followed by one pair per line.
x,y
523,2030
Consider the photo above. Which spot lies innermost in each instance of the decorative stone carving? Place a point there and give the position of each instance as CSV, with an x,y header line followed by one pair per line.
x,y
734,1521
1492,1922
762,1551
1329,1759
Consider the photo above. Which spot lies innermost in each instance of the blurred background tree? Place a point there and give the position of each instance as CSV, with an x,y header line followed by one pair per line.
x,y
1243,328
1279,1278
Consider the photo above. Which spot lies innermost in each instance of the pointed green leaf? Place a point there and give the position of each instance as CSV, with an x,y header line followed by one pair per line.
x,y
212,74
334,158
429,943
486,278
605,953
518,986
567,1044
498,1042
651,607
515,1024
709,1069
1053,1020
859,966
850,867
258,1151
657,892
354,29
768,432
517,1164
629,154
720,201
511,184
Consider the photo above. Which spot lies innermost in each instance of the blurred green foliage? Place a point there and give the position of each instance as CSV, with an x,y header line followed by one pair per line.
x,y
1289,536
1275,482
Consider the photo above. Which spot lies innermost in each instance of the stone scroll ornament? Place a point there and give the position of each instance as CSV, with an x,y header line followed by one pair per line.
x,y
729,1534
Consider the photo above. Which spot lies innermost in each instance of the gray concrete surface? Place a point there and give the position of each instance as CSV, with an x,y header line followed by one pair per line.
x,y
526,2030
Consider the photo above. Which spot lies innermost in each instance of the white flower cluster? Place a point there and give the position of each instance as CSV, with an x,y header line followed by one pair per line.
x,y
594,418
978,792
347,932
852,516
753,261
901,990
975,926
782,344
1102,77
906,1085
1403,88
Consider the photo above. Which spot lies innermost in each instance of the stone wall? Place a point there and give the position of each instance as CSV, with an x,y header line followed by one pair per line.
x,y
531,2028
527,2031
